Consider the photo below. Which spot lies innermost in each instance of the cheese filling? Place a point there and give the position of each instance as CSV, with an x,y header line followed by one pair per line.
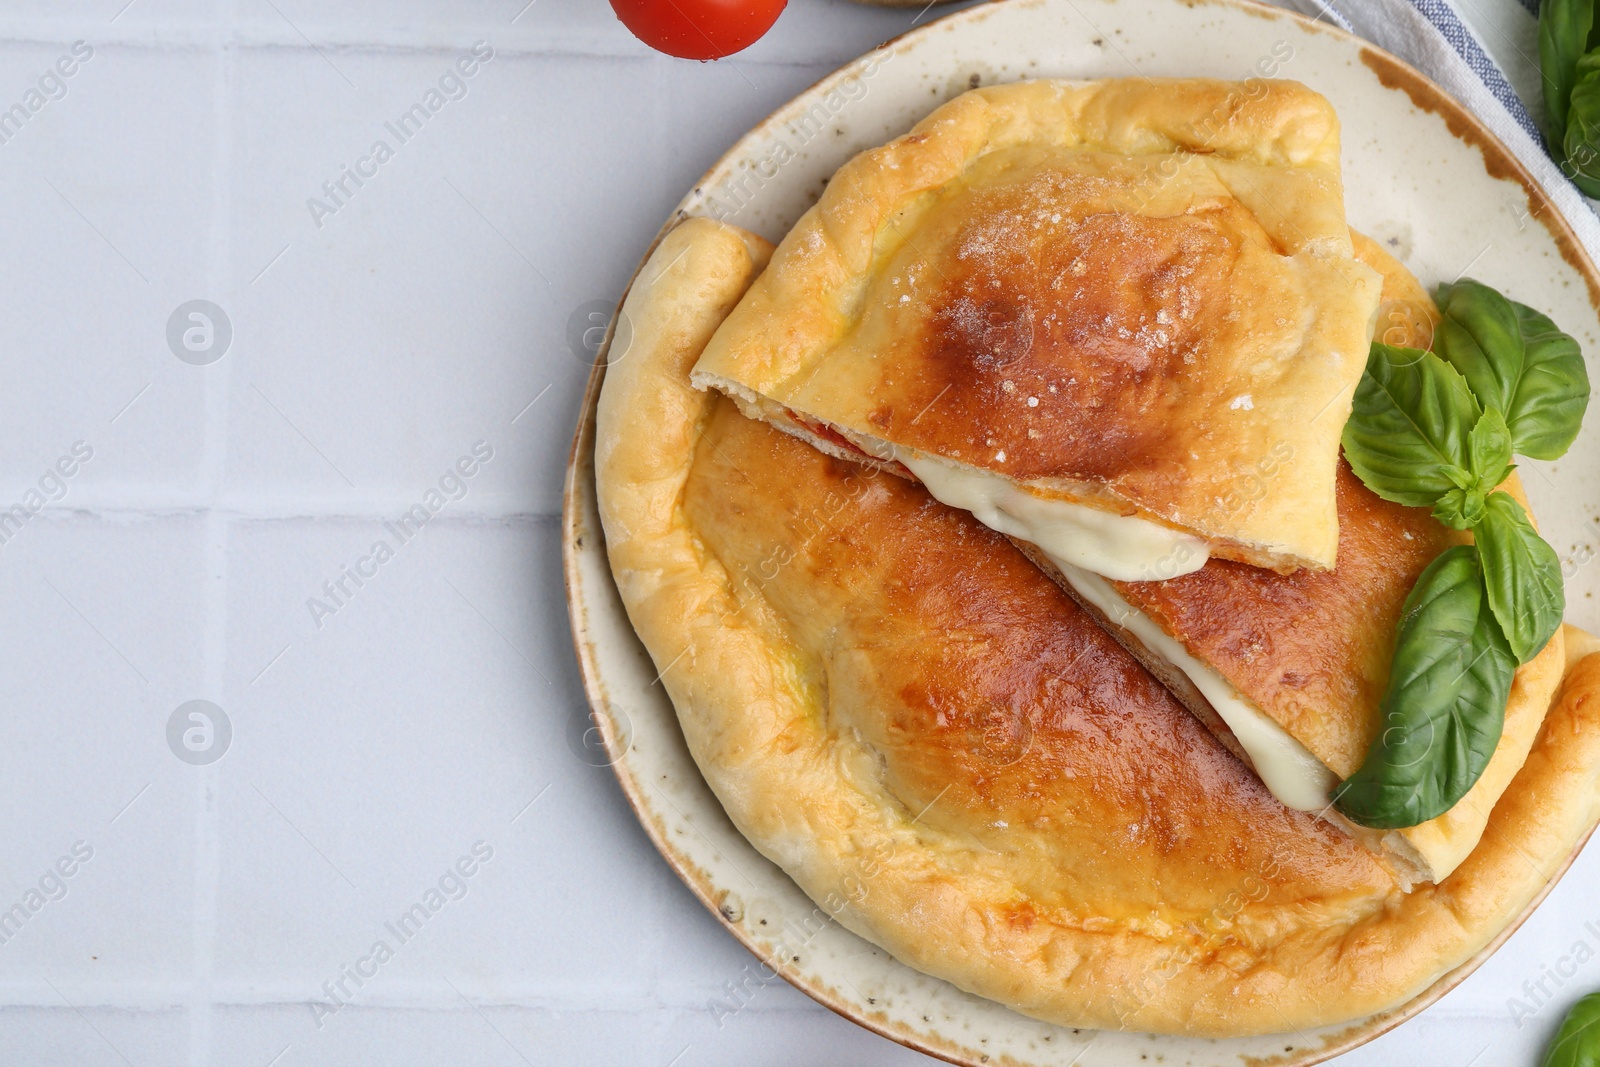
x,y
1124,547
1292,773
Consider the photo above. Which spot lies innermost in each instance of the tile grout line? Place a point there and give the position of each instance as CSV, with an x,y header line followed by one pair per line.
x,y
557,43
287,510
207,859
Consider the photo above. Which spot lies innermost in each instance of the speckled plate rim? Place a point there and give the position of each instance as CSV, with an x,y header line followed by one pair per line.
x,y
583,541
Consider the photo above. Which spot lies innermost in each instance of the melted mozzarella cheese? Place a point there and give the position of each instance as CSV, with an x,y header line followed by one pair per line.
x,y
1124,547
1292,773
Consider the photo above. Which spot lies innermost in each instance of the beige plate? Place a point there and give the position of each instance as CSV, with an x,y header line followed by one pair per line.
x,y
1423,176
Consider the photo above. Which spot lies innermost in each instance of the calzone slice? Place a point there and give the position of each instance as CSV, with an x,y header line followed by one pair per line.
x,y
1083,311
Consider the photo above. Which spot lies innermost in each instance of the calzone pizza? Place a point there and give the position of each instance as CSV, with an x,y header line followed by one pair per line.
x,y
861,670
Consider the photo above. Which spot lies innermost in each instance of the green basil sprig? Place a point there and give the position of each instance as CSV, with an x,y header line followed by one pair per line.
x,y
1521,574
1580,143
1565,29
1410,420
1438,429
1516,360
1417,436
1577,1043
1445,705
1569,60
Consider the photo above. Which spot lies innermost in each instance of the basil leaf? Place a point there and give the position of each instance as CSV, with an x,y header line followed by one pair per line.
x,y
1577,1043
1489,449
1407,437
1445,705
1553,395
1460,509
1564,30
1516,360
1521,574
1580,141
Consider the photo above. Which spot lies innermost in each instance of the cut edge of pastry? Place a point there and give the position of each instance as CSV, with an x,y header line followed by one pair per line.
x,y
1082,509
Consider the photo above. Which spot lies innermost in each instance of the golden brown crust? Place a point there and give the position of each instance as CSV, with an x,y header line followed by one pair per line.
x,y
690,283
1171,677
1406,314
996,708
840,649
1122,293
1312,649
1579,643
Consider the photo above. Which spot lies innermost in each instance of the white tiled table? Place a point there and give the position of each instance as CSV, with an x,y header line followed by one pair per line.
x,y
373,746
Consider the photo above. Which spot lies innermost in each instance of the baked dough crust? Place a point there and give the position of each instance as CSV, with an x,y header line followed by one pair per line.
x,y
918,726
1312,649
1121,293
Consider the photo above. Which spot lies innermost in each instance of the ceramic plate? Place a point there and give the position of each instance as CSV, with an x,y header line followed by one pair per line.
x,y
1421,175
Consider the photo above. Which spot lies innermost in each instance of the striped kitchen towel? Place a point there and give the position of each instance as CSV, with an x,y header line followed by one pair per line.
x,y
1432,36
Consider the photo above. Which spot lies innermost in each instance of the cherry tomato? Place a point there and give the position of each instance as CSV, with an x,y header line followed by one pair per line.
x,y
698,29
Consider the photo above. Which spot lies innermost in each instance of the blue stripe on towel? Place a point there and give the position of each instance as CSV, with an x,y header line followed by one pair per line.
x,y
1460,38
